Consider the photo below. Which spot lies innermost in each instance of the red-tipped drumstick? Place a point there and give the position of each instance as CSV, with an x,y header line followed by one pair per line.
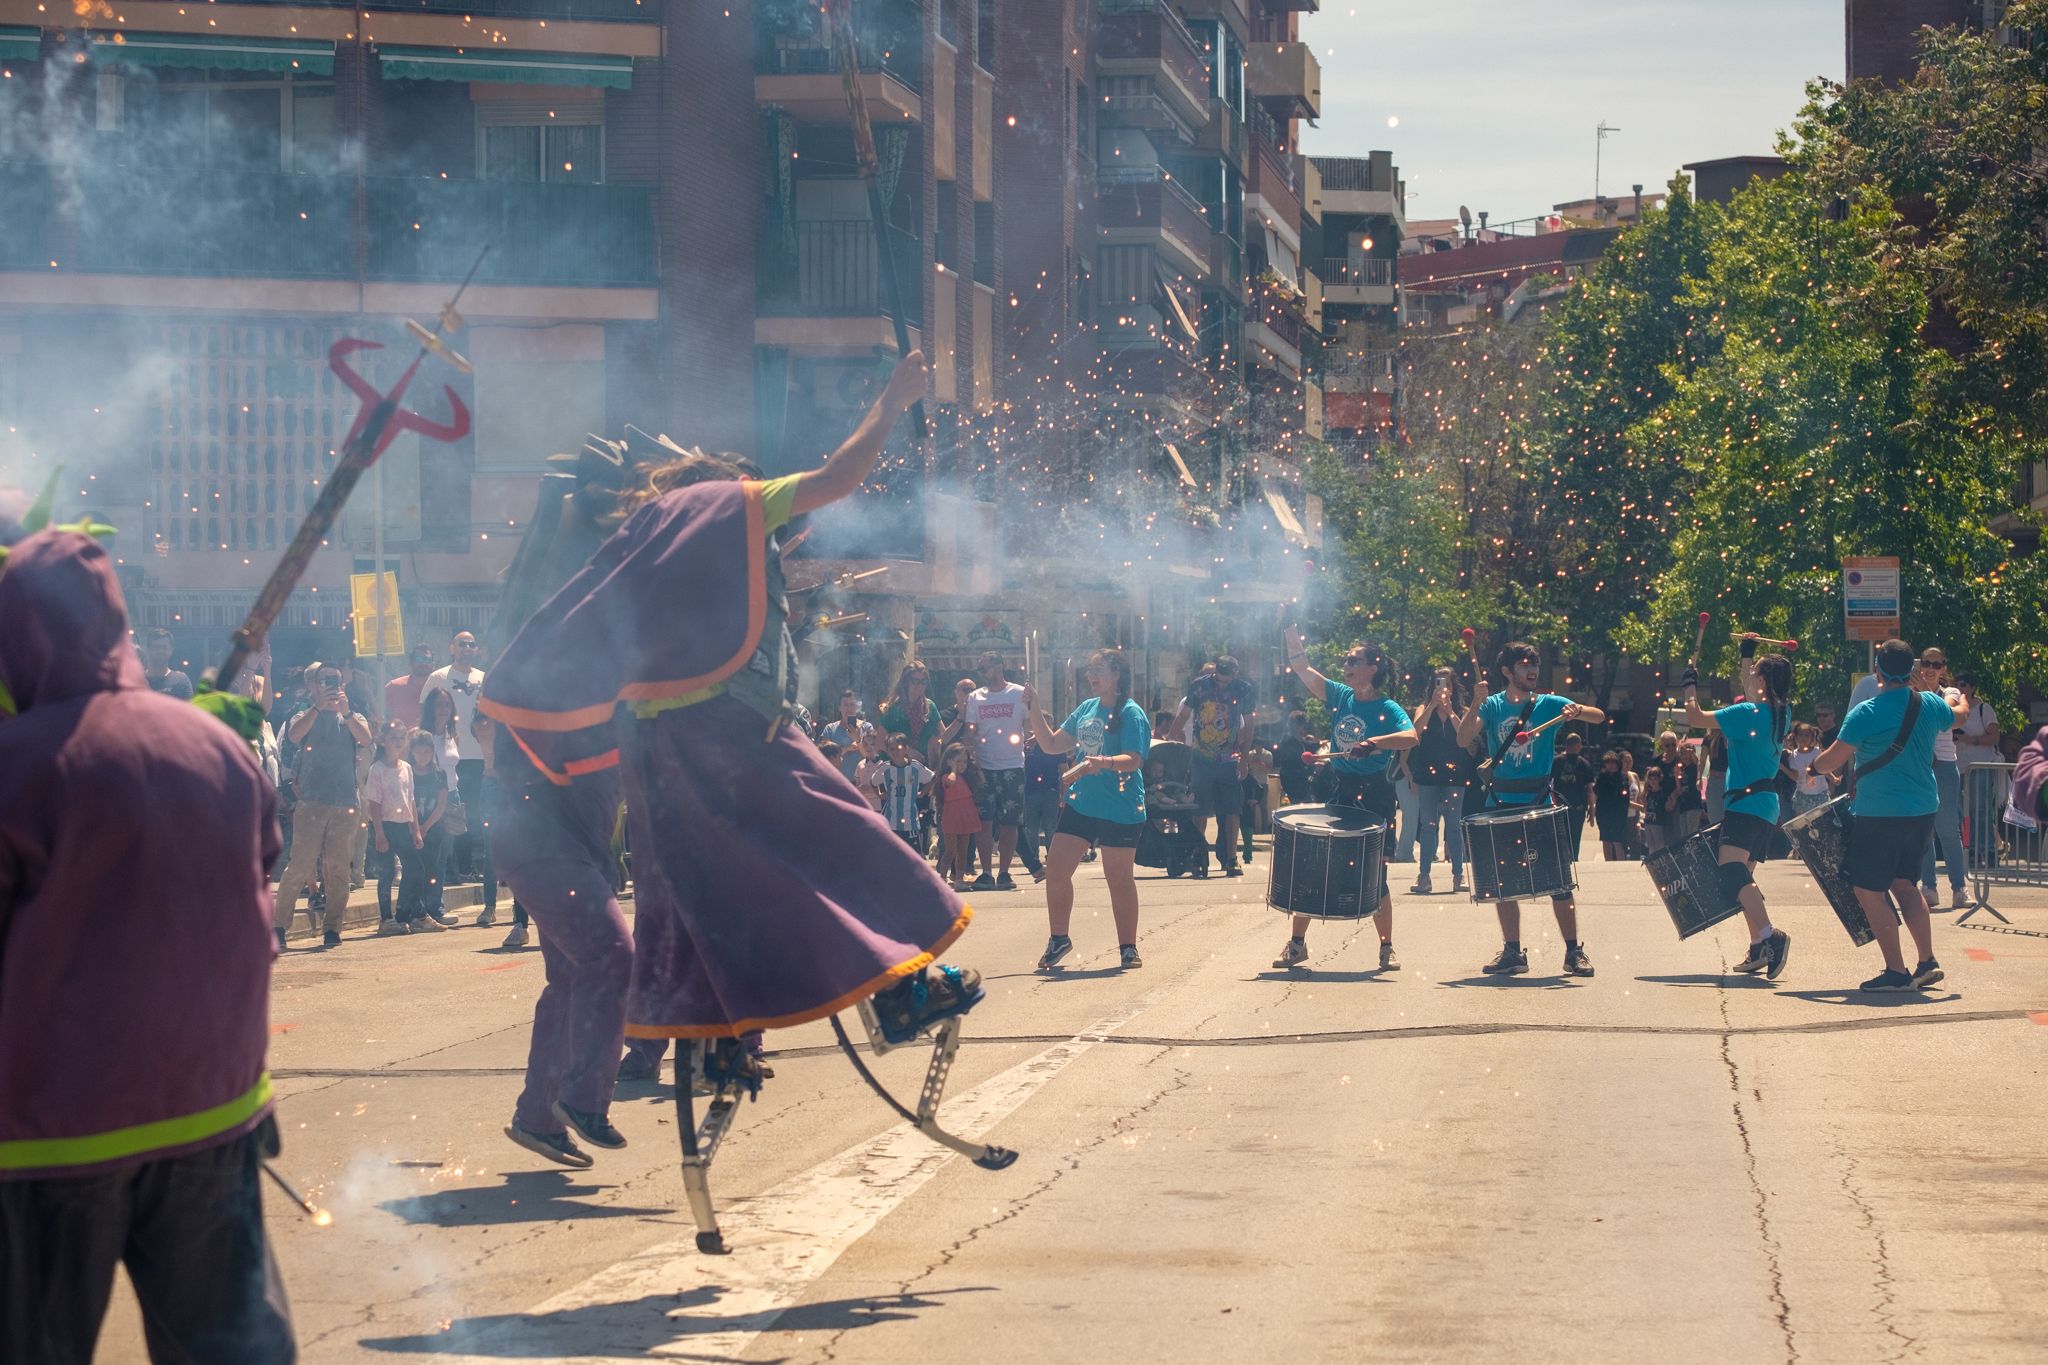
x,y
1699,641
1789,646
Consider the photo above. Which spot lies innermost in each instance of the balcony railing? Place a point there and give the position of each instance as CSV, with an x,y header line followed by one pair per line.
x,y
783,57
235,224
539,234
1351,173
1224,134
1337,272
1150,30
1147,196
834,271
641,11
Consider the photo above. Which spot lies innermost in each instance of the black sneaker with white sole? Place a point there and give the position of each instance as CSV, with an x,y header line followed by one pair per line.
x,y
1756,961
1509,962
595,1129
1576,963
1927,973
556,1147
1777,950
1889,980
1128,956
1056,947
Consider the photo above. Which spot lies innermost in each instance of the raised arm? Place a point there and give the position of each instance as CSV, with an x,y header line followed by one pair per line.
x,y
1050,741
1298,664
849,466
1468,724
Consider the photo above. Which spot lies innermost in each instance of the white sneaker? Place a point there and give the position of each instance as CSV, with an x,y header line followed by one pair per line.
x,y
427,924
515,939
1294,954
391,928
1959,899
487,919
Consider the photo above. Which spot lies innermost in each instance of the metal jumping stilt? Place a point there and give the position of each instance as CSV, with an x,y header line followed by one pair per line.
x,y
700,1145
945,1044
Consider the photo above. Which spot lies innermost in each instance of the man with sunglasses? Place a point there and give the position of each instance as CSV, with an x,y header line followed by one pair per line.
x,y
331,737
1521,779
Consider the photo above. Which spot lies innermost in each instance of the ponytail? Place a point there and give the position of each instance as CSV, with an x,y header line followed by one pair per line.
x,y
1775,673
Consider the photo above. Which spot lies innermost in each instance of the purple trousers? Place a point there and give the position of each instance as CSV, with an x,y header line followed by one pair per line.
x,y
545,845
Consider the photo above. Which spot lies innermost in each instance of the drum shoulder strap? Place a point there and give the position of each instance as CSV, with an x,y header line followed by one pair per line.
x,y
1898,744
1521,723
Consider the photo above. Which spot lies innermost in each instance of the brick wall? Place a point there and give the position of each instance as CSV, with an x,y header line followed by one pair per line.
x,y
1883,35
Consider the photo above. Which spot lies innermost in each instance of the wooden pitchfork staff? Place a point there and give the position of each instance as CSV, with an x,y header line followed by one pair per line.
x,y
380,419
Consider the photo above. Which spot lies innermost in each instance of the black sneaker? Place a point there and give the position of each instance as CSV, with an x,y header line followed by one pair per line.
x,y
1777,950
1888,980
595,1129
1056,947
982,883
1576,963
1130,958
932,996
1757,960
330,939
1004,883
1233,870
1422,888
556,1147
1927,973
1510,962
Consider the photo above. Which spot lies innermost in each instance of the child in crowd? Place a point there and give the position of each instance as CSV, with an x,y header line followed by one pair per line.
x,y
899,782
424,912
959,817
1812,788
867,772
394,823
1654,804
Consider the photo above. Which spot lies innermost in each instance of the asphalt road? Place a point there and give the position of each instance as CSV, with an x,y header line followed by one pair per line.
x,y
1220,1161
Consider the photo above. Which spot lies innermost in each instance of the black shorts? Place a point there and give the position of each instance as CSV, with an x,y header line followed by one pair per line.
x,y
1884,849
1104,833
1753,834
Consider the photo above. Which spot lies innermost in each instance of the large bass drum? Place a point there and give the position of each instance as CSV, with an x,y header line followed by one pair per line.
x,y
1821,837
1328,862
1514,852
1687,878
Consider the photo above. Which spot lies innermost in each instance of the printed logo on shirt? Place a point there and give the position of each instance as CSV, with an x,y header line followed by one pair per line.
x,y
1091,734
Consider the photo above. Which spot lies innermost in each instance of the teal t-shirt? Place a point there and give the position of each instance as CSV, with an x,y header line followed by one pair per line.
x,y
1904,786
1116,797
1528,762
1353,719
1752,756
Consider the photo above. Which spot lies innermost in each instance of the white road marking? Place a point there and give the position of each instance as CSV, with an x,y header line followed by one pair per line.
x,y
782,1241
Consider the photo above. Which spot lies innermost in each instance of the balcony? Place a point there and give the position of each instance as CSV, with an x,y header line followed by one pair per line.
x,y
632,11
835,272
1146,38
298,227
804,77
1286,76
1365,187
1368,281
1270,193
1146,205
1223,135
585,235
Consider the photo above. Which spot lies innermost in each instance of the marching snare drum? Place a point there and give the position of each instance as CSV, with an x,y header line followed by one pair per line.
x,y
1687,879
1821,835
1327,863
1514,852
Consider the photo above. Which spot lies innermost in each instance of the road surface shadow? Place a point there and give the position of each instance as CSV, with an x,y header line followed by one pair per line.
x,y
1548,983
643,1325
1062,974
524,1197
1852,995
1318,974
1737,981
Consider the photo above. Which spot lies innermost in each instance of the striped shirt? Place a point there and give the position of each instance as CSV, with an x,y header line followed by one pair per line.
x,y
900,786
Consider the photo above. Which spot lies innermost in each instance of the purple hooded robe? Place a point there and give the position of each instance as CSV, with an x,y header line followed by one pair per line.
x,y
136,832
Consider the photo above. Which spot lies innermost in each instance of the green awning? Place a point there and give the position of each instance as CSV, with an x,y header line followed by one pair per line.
x,y
18,44
209,52
510,68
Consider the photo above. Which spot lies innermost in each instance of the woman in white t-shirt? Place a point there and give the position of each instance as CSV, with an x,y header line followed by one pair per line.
x,y
1983,794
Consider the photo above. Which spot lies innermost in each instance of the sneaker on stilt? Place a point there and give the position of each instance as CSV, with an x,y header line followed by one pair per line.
x,y
595,1129
1293,955
556,1147
932,996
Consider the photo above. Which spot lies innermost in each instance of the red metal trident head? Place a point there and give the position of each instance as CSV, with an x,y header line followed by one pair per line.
x,y
401,418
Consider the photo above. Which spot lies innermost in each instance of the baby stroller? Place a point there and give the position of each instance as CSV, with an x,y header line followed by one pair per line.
x,y
1170,840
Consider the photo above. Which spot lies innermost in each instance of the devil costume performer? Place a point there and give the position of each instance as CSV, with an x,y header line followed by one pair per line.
x,y
134,987
769,894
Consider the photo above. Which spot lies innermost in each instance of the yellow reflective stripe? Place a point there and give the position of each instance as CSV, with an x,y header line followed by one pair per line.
x,y
37,1153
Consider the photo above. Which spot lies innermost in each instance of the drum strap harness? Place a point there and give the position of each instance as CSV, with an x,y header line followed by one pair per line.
x,y
1898,745
1520,784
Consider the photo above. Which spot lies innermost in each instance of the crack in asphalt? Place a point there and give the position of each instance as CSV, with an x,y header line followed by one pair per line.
x,y
1070,1162
1470,1030
1771,1248
1886,1287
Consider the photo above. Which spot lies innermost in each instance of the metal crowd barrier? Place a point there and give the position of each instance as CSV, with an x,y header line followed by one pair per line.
x,y
2005,848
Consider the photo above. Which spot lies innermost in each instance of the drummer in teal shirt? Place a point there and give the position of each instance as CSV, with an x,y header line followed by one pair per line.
x,y
1520,777
1895,808
1755,732
1366,731
1103,804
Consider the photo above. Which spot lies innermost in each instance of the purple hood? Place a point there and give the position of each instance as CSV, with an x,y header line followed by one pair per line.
x,y
135,943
